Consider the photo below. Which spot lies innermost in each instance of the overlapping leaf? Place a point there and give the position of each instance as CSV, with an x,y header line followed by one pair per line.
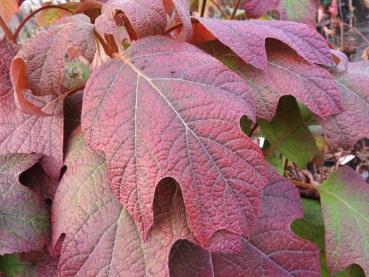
x,y
294,10
8,8
344,199
24,217
272,249
288,133
346,128
286,74
304,11
25,133
153,119
252,34
100,236
141,18
257,8
44,54
311,227
182,8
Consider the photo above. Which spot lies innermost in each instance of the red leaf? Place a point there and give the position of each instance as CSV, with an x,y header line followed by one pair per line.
x,y
100,236
25,133
141,17
160,119
286,74
272,249
257,8
24,216
251,36
44,54
346,128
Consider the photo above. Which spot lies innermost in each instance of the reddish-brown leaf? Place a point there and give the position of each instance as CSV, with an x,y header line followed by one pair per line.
x,y
286,74
24,216
141,18
272,249
101,239
153,118
44,54
247,39
25,133
346,128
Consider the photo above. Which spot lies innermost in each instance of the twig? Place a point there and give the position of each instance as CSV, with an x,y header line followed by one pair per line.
x,y
28,17
253,129
9,35
219,8
236,6
203,8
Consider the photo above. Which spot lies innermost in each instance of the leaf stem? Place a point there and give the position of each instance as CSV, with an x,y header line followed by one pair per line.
x,y
236,6
8,33
28,17
253,129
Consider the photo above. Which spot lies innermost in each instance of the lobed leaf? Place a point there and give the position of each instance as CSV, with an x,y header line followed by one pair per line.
x,y
25,133
24,217
153,119
252,34
344,199
346,128
141,18
101,239
271,250
44,54
286,74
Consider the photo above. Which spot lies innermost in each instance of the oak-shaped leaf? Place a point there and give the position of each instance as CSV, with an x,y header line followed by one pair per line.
x,y
271,250
286,74
346,128
44,54
140,17
24,216
252,34
311,227
26,133
167,109
344,199
100,238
